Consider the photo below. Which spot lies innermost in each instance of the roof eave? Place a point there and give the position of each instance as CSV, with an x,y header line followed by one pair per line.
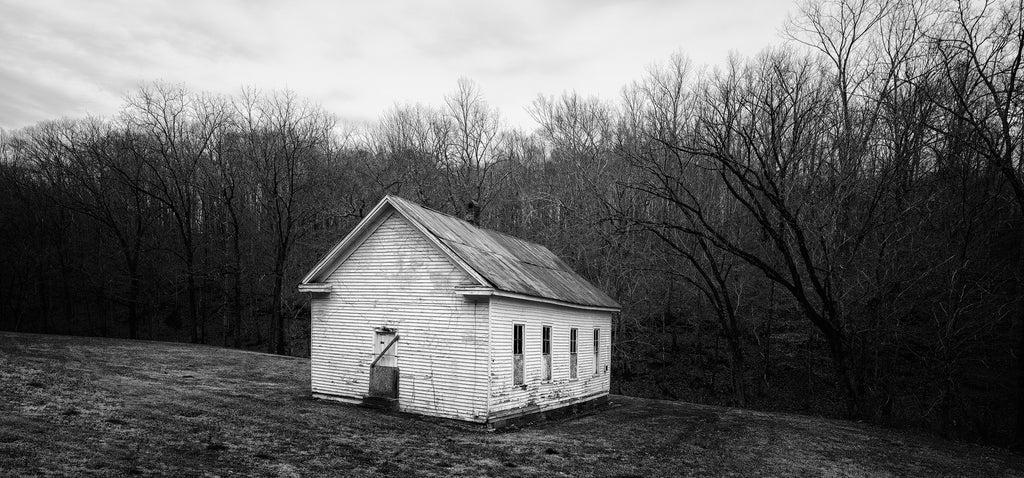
x,y
477,292
315,288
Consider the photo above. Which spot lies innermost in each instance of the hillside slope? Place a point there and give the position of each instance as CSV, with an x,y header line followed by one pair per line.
x,y
74,406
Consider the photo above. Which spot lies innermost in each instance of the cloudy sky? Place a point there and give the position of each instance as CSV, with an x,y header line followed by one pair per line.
x,y
75,58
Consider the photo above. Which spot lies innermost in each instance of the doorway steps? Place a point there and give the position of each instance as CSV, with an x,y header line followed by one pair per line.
x,y
380,403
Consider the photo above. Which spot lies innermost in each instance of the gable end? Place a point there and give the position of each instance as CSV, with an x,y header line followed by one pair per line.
x,y
384,210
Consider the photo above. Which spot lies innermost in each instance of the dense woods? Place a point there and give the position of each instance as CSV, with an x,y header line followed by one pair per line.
x,y
835,226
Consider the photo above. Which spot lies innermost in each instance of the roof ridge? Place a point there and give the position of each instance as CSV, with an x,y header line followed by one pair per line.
x,y
482,228
504,261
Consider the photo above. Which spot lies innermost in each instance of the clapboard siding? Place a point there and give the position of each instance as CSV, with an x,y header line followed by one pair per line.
x,y
506,398
396,278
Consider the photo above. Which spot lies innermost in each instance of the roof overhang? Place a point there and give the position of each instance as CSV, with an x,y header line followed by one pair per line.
x,y
477,292
315,288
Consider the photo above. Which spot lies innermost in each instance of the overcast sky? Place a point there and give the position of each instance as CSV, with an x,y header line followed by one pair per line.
x,y
74,58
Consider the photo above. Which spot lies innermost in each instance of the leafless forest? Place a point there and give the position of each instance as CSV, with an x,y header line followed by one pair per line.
x,y
835,226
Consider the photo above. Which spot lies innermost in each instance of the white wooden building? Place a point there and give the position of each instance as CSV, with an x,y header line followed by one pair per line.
x,y
432,315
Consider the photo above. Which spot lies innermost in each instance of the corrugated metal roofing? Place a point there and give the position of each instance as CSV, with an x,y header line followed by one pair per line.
x,y
510,264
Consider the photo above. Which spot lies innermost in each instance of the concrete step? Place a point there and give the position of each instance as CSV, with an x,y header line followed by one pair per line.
x,y
380,403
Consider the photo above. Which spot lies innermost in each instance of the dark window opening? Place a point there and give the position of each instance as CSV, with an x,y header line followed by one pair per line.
x,y
518,365
545,347
572,353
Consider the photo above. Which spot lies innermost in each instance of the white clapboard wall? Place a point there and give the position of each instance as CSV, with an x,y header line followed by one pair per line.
x,y
561,390
397,279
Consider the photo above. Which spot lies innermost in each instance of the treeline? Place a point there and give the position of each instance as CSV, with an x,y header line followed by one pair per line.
x,y
835,226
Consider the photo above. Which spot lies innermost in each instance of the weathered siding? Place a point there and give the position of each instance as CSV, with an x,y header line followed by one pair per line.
x,y
397,279
537,395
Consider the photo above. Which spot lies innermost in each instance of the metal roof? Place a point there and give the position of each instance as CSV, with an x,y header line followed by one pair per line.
x,y
508,263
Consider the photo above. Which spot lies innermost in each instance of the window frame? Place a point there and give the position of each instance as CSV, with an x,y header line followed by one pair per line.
x,y
574,348
518,359
545,353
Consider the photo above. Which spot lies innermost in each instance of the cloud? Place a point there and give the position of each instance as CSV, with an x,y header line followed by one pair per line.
x,y
356,58
22,99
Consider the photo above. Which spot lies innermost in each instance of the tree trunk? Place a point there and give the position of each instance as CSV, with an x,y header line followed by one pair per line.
x,y
236,291
101,299
277,318
1018,441
44,299
726,312
256,323
737,365
133,307
192,302
1018,190
841,362
225,321
766,374
69,312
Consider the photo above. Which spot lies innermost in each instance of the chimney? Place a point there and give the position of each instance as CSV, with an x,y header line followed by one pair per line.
x,y
472,213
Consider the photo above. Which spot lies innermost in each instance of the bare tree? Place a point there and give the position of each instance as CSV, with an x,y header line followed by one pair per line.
x,y
285,136
978,50
174,132
404,159
467,134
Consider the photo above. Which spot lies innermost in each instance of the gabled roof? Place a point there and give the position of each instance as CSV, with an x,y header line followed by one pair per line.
x,y
495,260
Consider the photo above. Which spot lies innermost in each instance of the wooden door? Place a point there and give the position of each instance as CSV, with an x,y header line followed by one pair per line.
x,y
384,368
383,343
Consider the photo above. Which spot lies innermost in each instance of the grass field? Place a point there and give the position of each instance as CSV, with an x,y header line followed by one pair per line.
x,y
86,406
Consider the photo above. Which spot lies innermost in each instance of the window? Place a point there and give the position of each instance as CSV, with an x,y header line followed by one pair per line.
x,y
518,366
545,351
572,353
597,351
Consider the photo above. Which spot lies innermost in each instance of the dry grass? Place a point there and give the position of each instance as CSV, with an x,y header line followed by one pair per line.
x,y
81,406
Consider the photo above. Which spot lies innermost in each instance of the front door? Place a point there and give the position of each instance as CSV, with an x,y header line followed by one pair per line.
x,y
384,368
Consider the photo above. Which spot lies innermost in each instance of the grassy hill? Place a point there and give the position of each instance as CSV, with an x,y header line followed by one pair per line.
x,y
76,406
